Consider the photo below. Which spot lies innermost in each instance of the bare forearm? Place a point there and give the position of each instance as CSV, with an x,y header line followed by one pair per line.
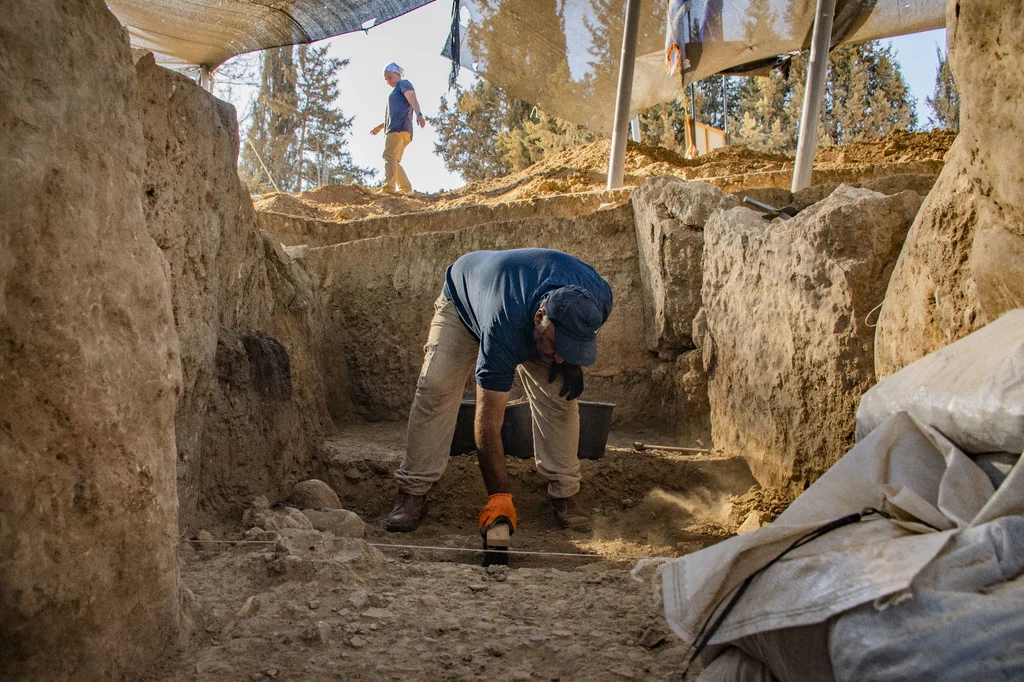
x,y
490,414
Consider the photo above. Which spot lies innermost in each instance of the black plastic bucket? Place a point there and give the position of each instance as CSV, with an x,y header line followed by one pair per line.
x,y
595,422
517,430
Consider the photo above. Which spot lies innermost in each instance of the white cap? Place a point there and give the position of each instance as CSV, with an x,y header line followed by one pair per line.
x,y
394,68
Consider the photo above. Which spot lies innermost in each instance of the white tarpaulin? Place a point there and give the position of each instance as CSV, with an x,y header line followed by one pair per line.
x,y
947,516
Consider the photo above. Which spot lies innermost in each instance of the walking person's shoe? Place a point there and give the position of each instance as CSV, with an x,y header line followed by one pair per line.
x,y
408,512
570,514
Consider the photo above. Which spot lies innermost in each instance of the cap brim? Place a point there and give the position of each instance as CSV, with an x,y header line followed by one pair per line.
x,y
575,351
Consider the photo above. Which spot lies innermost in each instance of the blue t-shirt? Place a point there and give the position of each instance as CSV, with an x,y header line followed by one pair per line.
x,y
398,117
497,293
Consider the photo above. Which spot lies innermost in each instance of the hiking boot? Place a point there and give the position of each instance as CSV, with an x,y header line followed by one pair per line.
x,y
570,514
408,512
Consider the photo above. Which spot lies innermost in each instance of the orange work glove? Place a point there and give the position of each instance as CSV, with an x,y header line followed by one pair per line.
x,y
498,506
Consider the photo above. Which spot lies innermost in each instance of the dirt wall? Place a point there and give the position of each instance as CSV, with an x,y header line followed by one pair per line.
x,y
784,335
89,365
252,412
963,263
293,230
378,293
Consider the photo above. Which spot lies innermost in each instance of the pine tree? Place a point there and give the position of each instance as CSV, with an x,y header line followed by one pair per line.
x,y
865,94
467,128
268,161
764,117
865,97
945,101
540,135
322,156
487,133
297,136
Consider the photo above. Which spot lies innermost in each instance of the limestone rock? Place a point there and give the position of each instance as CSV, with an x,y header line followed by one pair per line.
x,y
961,267
314,494
669,216
340,522
257,534
651,638
301,540
89,364
753,521
785,304
261,515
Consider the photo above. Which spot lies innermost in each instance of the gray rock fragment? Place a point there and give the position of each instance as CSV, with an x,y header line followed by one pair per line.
x,y
314,494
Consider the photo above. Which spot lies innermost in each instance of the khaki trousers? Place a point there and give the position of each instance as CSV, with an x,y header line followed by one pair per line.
x,y
394,174
449,358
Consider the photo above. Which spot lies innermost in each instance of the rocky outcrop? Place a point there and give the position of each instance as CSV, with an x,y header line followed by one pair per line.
x,y
252,412
669,215
962,264
786,344
89,366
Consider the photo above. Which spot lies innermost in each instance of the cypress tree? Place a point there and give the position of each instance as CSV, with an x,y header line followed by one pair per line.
x,y
945,100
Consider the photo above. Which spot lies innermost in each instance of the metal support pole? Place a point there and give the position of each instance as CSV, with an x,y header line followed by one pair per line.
x,y
627,60
816,72
725,107
205,78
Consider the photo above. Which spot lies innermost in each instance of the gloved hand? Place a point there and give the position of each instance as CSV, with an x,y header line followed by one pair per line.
x,y
499,508
572,379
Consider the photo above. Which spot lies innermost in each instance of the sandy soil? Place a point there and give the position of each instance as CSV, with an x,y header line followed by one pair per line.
x,y
331,609
584,168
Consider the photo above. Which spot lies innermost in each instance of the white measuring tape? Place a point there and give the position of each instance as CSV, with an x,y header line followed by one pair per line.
x,y
525,552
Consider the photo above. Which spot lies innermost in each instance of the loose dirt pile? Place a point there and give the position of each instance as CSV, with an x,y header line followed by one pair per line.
x,y
896,147
584,169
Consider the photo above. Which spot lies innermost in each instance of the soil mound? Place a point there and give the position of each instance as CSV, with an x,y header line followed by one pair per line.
x,y
289,204
897,147
584,169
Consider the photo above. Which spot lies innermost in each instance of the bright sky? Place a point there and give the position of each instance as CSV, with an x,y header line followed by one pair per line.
x,y
415,41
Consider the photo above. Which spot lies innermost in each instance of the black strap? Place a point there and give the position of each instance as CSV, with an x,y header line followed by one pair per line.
x,y
705,633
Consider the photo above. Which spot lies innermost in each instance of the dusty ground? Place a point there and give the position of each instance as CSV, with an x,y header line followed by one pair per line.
x,y
584,168
349,610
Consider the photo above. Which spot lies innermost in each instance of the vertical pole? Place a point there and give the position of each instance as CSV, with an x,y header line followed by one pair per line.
x,y
816,72
627,60
725,107
634,128
205,78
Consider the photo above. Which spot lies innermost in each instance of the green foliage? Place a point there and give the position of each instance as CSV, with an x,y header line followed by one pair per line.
x,y
865,97
945,101
297,135
322,155
486,133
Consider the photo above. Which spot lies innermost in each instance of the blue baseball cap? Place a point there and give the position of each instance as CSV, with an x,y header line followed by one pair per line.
x,y
577,317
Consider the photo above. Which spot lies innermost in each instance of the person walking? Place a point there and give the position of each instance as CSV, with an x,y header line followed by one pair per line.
x,y
403,108
532,311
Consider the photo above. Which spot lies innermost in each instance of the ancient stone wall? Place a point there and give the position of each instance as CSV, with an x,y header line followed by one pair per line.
x,y
89,366
252,412
378,295
963,263
784,335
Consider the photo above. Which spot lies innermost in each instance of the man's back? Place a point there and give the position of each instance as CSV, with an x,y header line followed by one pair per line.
x,y
497,293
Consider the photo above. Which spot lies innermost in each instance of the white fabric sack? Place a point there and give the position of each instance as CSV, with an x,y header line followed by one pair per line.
x,y
972,390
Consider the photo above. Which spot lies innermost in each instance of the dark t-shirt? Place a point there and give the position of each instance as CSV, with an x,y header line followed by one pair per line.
x,y
398,116
497,293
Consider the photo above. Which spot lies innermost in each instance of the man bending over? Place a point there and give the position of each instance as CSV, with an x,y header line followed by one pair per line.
x,y
535,311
